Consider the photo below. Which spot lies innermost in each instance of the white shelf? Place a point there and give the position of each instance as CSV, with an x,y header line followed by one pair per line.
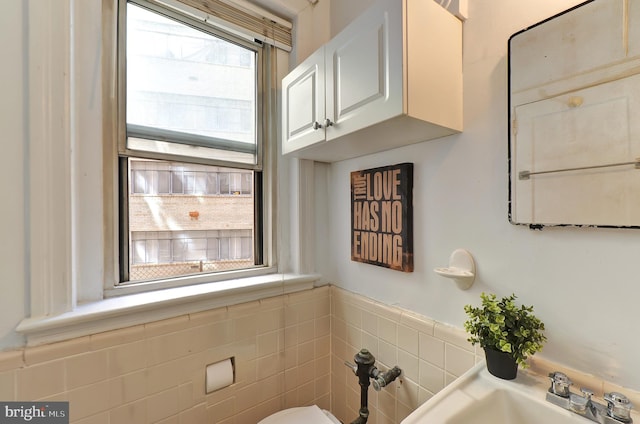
x,y
461,269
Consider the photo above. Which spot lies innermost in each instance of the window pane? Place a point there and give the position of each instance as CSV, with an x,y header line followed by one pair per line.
x,y
197,249
234,248
246,183
164,182
175,234
213,249
212,183
185,80
247,248
224,248
189,182
179,248
164,251
176,182
139,251
139,182
152,251
234,181
201,183
224,182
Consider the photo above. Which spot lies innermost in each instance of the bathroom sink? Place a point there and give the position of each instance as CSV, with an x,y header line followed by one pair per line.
x,y
478,397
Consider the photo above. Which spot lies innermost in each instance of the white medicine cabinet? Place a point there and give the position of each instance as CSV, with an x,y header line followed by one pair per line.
x,y
574,140
391,78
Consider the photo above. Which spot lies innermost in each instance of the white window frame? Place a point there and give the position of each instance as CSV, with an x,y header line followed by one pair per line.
x,y
72,182
118,288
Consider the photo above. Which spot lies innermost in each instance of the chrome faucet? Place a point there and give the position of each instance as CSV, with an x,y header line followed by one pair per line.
x,y
617,410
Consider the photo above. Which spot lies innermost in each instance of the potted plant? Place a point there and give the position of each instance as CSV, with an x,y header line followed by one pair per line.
x,y
507,333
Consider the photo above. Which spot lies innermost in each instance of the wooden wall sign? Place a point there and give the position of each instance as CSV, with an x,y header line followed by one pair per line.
x,y
382,216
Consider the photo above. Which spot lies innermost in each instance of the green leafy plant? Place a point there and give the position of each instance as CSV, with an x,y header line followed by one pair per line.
x,y
503,326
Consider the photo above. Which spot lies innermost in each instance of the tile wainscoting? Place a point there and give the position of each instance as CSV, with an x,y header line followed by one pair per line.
x,y
155,373
289,351
430,354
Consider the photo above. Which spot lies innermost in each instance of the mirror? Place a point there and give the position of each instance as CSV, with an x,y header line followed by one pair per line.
x,y
574,115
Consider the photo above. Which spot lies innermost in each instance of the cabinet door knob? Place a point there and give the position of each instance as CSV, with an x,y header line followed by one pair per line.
x,y
316,125
327,122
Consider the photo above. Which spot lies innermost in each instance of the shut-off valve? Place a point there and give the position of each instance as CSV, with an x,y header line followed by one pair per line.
x,y
365,369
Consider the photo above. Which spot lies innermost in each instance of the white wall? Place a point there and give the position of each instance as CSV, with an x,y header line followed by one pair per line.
x,y
310,30
582,282
12,172
41,117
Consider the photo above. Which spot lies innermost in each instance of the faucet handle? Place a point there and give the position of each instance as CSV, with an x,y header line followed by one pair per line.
x,y
353,367
560,384
618,406
587,393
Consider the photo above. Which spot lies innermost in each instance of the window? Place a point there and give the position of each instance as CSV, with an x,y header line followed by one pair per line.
x,y
78,171
187,84
190,155
158,178
157,254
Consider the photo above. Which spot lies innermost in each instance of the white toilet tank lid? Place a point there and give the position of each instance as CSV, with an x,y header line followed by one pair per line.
x,y
304,414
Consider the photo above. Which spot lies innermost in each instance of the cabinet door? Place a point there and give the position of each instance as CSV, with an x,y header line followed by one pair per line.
x,y
303,104
364,70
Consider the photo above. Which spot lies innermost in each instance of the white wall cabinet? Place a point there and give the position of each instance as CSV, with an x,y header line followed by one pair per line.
x,y
391,78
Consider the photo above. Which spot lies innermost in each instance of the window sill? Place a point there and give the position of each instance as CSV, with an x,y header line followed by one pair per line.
x,y
124,311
